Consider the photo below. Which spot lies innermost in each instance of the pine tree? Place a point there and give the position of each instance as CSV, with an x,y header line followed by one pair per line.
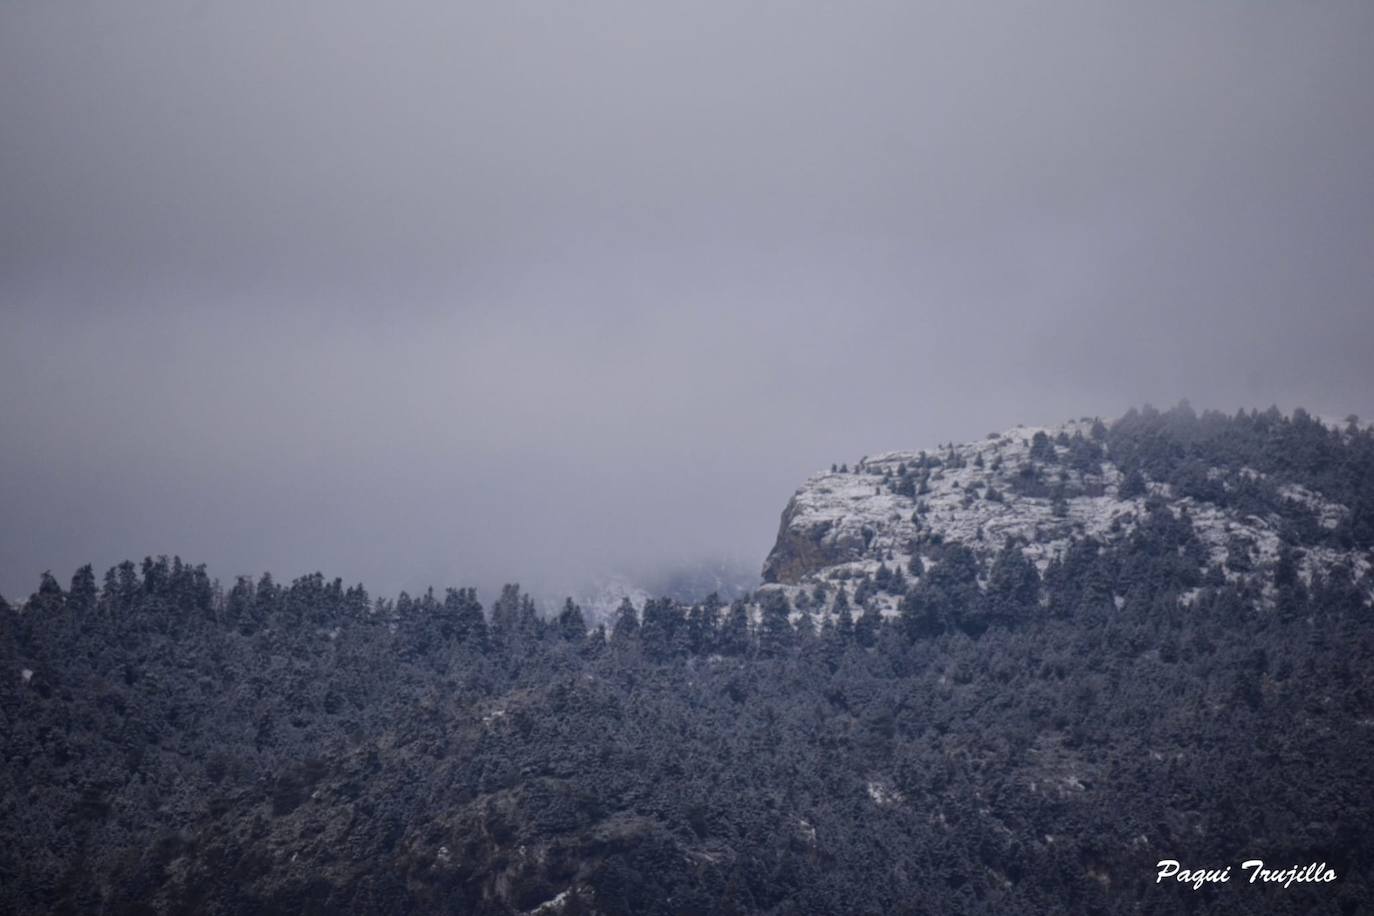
x,y
844,617
129,587
1132,485
82,595
775,628
702,623
1013,592
919,618
357,602
897,585
661,630
266,597
157,575
572,625
626,628
49,599
867,627
528,622
734,633
464,616
506,614
238,607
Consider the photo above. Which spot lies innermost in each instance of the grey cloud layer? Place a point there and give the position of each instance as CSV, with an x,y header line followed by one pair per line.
x,y
471,292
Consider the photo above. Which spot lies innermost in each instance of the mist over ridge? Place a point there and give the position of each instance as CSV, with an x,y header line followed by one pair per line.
x,y
485,295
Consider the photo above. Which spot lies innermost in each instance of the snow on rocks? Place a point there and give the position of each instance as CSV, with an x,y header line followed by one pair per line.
x,y
844,524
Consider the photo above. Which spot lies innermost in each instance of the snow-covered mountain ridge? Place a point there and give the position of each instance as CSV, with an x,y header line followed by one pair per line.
x,y
1043,488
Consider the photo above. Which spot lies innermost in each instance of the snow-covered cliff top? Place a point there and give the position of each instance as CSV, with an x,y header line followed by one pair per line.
x,y
844,523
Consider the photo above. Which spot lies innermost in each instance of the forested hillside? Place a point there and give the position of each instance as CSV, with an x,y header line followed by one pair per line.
x,y
1163,649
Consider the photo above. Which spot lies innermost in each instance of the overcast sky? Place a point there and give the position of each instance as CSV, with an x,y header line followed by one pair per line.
x,y
452,293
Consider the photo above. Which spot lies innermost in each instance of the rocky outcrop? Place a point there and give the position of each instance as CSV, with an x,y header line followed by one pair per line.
x,y
802,547
1040,487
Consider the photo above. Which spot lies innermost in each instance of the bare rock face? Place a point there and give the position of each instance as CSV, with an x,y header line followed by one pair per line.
x,y
801,548
835,520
